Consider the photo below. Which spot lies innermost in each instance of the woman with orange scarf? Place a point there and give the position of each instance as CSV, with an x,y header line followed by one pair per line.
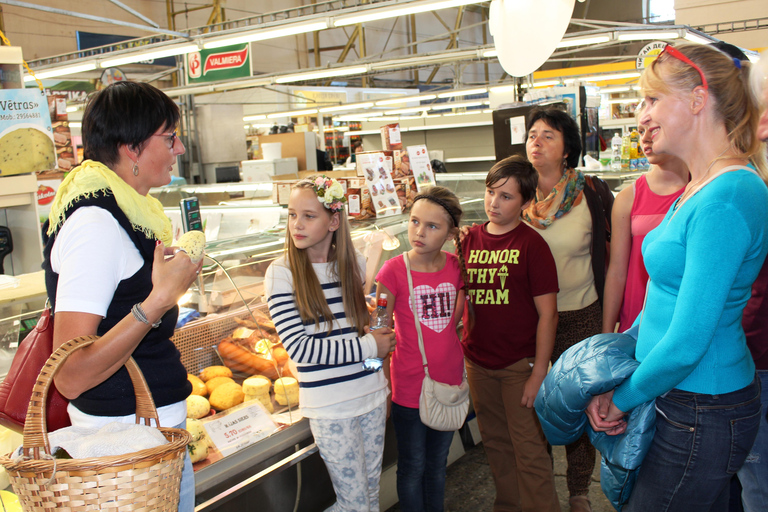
x,y
572,213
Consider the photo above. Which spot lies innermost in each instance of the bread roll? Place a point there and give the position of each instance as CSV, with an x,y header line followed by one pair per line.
x,y
287,391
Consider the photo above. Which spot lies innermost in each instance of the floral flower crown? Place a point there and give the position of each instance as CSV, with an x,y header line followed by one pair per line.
x,y
330,193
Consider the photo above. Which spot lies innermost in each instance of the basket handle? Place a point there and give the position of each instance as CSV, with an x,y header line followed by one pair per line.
x,y
35,426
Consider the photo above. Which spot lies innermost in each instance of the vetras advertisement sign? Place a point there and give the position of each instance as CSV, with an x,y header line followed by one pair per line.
x,y
223,63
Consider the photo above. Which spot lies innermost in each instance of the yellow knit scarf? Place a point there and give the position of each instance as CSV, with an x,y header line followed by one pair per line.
x,y
145,213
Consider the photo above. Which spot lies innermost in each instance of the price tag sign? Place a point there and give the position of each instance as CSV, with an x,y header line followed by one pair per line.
x,y
242,426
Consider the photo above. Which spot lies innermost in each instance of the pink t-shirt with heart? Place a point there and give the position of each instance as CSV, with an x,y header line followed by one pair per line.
x,y
435,294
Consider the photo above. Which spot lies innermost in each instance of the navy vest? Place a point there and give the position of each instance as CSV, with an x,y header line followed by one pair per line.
x,y
156,355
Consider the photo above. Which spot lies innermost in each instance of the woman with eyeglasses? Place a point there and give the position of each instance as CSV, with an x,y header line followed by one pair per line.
x,y
106,269
702,260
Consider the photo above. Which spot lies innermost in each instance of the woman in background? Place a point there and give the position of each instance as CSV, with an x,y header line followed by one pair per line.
x,y
637,210
572,213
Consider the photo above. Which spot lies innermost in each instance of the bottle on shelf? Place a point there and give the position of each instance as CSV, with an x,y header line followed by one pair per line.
x,y
379,319
625,152
616,152
634,140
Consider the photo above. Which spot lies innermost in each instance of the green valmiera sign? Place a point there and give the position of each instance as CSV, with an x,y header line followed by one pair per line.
x,y
223,63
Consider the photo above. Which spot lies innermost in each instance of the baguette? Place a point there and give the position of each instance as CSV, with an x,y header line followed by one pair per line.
x,y
239,358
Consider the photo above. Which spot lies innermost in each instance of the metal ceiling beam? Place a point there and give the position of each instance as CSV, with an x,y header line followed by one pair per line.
x,y
100,19
135,13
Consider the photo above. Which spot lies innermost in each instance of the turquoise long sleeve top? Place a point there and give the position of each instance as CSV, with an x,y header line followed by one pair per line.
x,y
702,261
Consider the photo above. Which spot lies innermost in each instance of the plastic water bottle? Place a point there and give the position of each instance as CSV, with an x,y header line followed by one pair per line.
x,y
379,319
616,153
625,142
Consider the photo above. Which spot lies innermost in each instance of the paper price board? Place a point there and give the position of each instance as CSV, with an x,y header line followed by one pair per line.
x,y
421,166
26,138
242,426
377,170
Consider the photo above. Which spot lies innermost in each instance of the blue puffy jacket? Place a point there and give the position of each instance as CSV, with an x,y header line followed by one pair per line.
x,y
592,367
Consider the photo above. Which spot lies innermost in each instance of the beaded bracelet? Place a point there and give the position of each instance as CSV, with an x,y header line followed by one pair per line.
x,y
141,316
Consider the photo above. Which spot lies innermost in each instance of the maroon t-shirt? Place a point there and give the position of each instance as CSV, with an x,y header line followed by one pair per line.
x,y
755,320
505,272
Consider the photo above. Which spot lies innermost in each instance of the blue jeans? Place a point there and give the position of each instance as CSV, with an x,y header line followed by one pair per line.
x,y
187,490
422,457
701,441
753,475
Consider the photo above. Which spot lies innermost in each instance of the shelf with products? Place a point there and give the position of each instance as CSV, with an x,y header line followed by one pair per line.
x,y
339,138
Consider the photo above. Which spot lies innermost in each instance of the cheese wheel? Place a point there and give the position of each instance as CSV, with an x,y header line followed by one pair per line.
x,y
287,391
257,385
265,400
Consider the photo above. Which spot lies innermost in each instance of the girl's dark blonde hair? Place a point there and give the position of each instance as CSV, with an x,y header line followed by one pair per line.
x,y
443,197
308,293
728,84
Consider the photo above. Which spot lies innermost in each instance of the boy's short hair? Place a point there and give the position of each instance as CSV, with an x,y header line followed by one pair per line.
x,y
519,168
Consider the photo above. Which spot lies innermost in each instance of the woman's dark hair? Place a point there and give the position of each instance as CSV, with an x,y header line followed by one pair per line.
x,y
562,122
519,168
124,113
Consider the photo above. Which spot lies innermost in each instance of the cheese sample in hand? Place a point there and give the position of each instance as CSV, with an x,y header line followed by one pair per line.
x,y
287,391
193,242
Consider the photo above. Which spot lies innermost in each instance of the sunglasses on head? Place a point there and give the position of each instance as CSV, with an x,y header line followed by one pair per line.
x,y
675,53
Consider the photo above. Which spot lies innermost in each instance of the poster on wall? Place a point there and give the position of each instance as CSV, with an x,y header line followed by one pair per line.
x,y
382,196
62,137
26,138
421,166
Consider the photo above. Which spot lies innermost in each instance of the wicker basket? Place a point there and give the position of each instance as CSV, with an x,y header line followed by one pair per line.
x,y
147,480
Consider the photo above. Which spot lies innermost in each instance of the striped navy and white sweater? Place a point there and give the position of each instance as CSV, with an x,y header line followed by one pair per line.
x,y
332,381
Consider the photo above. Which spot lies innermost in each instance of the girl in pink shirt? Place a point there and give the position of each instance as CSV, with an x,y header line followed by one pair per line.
x,y
439,298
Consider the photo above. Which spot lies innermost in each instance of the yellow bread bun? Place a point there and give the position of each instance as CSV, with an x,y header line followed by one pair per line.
x,y
257,385
287,391
216,382
198,386
227,395
215,371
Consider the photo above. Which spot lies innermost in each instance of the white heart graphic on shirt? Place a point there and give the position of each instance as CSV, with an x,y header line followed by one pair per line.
x,y
436,304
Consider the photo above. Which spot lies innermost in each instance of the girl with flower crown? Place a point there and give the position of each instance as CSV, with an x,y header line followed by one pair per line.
x,y
322,324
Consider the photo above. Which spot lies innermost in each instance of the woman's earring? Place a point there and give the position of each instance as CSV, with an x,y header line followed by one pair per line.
x,y
136,168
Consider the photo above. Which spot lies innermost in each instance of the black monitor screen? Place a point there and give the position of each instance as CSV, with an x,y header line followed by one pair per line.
x,y
230,174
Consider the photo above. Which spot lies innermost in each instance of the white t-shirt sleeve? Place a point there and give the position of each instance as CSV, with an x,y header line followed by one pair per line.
x,y
92,254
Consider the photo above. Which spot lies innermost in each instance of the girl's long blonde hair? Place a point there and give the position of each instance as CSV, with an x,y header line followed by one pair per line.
x,y
308,293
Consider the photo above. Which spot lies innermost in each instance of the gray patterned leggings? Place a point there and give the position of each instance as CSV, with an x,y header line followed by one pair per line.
x,y
352,449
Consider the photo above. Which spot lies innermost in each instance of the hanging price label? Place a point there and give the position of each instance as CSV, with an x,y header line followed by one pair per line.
x,y
240,427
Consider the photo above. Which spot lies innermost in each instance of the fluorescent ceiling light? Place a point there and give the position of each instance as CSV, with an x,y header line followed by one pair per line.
x,y
150,55
75,124
602,78
181,91
357,117
406,99
503,88
388,118
266,33
257,117
73,108
648,35
609,90
65,70
490,53
348,106
624,100
696,38
381,14
542,83
295,113
465,92
464,104
580,41
323,73
423,108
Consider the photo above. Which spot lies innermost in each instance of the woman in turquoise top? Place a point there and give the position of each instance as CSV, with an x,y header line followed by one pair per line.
x,y
702,260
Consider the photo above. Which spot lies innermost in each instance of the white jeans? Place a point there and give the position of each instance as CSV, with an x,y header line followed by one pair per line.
x,y
352,449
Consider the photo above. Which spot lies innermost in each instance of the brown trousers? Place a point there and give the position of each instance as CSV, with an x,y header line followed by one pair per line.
x,y
513,440
572,327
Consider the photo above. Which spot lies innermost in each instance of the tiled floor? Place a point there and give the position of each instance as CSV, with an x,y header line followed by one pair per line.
x,y
469,486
